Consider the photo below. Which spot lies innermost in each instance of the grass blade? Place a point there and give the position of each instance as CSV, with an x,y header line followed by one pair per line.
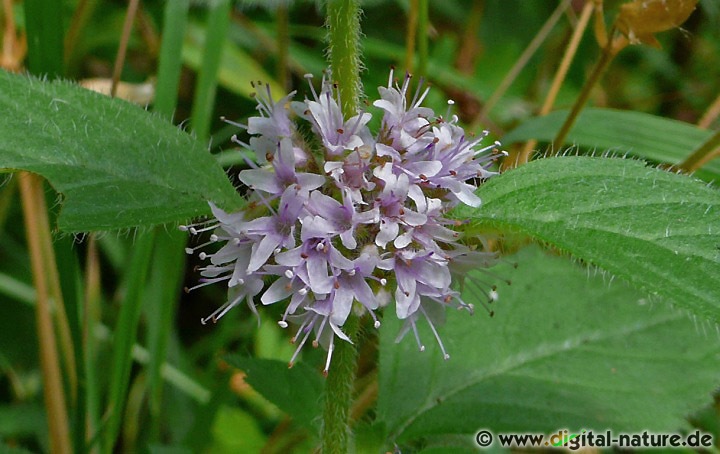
x,y
125,334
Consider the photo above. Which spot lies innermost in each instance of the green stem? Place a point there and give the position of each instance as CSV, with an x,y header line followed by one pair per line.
x,y
343,21
338,392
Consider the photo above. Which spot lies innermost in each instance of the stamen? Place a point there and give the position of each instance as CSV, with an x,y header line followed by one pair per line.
x,y
331,348
421,347
437,336
191,250
206,282
222,310
302,342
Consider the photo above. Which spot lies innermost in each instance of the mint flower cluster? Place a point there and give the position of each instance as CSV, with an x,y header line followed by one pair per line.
x,y
340,221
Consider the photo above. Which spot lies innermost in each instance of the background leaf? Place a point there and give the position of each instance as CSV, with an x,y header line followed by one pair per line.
x,y
564,350
237,69
623,132
117,165
659,231
296,391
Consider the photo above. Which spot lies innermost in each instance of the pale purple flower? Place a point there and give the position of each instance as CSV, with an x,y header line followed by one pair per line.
x,y
359,226
337,135
283,175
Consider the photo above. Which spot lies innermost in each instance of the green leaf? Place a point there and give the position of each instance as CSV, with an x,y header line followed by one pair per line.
x,y
622,132
115,164
660,231
564,350
296,391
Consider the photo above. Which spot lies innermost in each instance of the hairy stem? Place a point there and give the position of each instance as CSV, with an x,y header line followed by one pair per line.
x,y
343,22
338,392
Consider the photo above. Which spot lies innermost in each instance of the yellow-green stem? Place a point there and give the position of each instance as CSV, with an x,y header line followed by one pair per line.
x,y
422,43
37,228
122,48
707,151
283,44
562,71
606,57
523,60
411,35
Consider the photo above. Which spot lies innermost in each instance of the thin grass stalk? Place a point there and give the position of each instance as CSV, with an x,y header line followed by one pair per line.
x,y
608,54
36,226
423,38
523,60
558,79
10,58
122,47
709,150
711,114
411,35
283,45
83,12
